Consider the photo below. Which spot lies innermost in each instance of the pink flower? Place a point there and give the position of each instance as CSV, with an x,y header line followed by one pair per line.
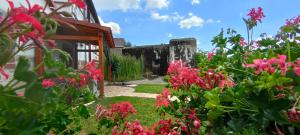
x,y
92,72
197,123
20,94
83,79
123,109
3,73
297,70
293,21
175,67
182,76
242,42
79,3
270,65
162,99
210,55
256,14
293,115
47,83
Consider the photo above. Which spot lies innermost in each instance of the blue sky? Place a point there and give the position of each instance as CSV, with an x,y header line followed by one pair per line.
x,y
147,22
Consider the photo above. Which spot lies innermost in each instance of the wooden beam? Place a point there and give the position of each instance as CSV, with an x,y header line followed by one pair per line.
x,y
82,50
75,38
38,59
109,72
101,66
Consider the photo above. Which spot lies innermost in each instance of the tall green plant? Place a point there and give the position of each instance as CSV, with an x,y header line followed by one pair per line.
x,y
126,68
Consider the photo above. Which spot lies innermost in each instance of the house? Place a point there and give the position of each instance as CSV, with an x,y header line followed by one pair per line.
x,y
119,45
157,57
90,40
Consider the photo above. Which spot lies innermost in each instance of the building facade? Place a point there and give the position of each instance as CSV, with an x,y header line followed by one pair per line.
x,y
158,57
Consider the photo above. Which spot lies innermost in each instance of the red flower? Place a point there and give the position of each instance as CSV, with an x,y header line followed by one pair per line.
x,y
83,79
3,73
162,99
48,83
256,14
182,76
79,3
92,72
123,109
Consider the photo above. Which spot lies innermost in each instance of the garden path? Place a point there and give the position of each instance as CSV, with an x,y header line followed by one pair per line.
x,y
128,88
114,91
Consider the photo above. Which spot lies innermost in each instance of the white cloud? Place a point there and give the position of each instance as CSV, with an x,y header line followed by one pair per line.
x,y
115,27
157,16
171,17
123,5
192,21
170,35
157,4
213,21
195,2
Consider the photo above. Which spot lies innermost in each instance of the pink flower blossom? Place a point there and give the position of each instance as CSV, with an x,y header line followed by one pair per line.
x,y
297,70
123,109
256,14
270,65
92,72
293,115
20,94
79,3
210,55
293,21
47,83
83,79
242,42
162,99
3,73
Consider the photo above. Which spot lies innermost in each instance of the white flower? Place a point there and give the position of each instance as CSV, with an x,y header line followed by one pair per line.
x,y
173,98
187,99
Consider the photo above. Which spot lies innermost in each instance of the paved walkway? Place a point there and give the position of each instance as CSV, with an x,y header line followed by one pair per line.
x,y
114,91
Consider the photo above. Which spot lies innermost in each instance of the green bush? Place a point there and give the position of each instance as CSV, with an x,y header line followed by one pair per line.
x,y
126,68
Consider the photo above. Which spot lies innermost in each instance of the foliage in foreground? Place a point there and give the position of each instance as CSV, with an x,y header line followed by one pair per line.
x,y
47,103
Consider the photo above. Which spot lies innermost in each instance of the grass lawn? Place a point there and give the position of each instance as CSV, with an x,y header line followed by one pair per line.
x,y
150,88
145,107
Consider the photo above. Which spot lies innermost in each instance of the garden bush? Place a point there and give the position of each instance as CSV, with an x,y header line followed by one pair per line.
x,y
126,68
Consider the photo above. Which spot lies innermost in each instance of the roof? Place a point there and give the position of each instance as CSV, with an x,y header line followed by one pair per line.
x,y
84,29
183,39
119,42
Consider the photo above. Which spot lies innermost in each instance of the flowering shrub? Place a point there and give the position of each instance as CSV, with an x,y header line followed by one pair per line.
x,y
241,87
47,103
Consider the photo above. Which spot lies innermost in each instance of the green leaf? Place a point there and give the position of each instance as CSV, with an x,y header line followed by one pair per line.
x,y
83,111
23,72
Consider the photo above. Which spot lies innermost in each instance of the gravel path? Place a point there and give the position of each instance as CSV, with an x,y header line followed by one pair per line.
x,y
114,91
